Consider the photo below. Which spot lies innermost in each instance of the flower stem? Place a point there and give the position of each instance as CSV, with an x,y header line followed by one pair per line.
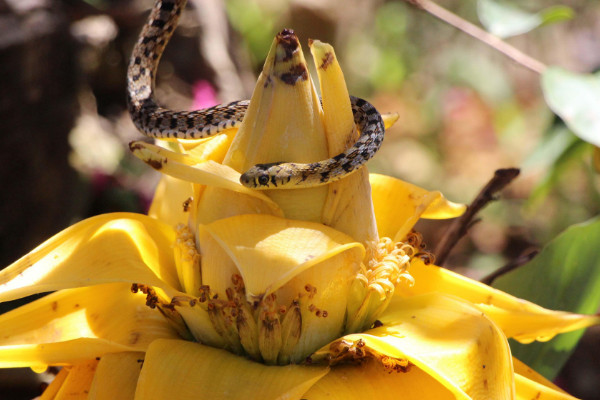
x,y
478,33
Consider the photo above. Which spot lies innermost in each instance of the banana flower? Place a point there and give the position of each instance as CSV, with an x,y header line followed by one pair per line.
x,y
224,292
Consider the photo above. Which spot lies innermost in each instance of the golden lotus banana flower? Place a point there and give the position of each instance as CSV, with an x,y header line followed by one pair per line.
x,y
224,292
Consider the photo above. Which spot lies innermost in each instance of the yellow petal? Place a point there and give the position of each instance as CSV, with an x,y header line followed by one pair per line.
x,y
183,370
116,376
525,374
212,148
283,123
269,251
38,356
107,311
76,385
349,207
193,170
168,202
389,119
55,385
399,205
371,381
532,323
217,265
217,203
518,318
447,338
528,389
118,247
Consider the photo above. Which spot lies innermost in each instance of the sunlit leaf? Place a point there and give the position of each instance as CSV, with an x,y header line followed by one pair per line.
x,y
504,19
576,99
564,276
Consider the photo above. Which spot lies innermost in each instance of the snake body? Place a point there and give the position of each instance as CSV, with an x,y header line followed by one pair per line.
x,y
158,122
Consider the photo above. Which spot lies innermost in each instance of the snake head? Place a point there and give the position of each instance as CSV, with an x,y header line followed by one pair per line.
x,y
262,176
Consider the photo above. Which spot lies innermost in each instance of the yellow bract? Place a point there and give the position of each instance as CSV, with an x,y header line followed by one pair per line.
x,y
178,369
119,247
273,276
519,319
348,206
269,251
395,220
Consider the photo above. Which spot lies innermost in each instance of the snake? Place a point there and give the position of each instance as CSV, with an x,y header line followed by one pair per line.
x,y
158,122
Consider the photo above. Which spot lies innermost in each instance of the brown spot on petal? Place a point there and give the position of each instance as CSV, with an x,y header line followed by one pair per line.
x,y
288,42
296,73
326,61
54,305
156,164
286,32
134,337
268,82
135,146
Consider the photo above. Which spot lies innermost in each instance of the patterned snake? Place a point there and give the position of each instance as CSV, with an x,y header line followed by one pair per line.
x,y
158,122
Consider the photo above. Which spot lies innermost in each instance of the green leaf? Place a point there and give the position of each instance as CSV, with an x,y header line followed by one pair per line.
x,y
564,276
504,20
557,151
555,14
576,99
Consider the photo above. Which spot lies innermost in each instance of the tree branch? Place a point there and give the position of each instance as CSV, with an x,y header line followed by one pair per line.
x,y
478,33
461,225
511,265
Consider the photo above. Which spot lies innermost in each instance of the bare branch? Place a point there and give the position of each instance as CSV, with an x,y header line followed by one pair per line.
x,y
461,225
478,33
511,265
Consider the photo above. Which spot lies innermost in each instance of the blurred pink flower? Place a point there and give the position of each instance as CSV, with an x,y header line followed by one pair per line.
x,y
204,95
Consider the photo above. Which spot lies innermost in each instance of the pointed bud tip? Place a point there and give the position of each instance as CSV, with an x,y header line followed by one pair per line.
x,y
286,32
288,42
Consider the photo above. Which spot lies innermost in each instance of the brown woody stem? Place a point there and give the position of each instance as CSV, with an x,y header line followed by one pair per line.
x,y
511,265
461,225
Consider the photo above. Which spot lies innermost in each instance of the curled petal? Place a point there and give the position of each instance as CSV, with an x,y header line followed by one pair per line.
x,y
269,251
445,337
370,381
183,370
211,148
389,119
518,318
118,247
191,169
532,323
109,312
399,205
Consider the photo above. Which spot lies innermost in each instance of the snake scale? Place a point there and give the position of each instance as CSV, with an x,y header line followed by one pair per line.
x,y
158,122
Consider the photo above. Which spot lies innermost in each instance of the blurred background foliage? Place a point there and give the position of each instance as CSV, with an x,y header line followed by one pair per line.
x,y
465,111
